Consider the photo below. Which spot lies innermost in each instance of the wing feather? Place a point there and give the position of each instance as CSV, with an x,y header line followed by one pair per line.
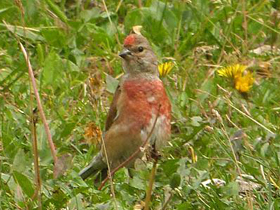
x,y
113,112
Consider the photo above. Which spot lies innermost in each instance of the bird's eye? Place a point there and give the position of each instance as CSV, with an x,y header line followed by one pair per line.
x,y
140,49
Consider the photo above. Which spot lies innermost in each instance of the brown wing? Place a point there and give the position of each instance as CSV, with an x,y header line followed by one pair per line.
x,y
113,109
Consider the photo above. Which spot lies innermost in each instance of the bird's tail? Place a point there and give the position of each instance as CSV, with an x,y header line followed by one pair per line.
x,y
96,165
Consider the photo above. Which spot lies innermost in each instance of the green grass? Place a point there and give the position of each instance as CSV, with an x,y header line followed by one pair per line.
x,y
73,48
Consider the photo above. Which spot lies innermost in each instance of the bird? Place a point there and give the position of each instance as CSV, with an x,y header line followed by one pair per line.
x,y
140,107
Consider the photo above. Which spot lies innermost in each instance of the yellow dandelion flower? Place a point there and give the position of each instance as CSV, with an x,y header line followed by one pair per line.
x,y
232,71
244,83
165,68
243,80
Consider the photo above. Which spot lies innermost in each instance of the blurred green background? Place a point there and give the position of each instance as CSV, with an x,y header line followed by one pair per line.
x,y
217,132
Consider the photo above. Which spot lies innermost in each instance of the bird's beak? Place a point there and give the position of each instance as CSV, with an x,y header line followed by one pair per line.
x,y
124,53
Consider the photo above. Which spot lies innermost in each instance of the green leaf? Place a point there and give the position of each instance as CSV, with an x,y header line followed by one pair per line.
x,y
138,183
76,202
32,34
40,53
20,163
68,127
264,149
196,120
56,10
101,35
88,15
206,88
4,10
202,176
25,184
53,68
231,189
54,36
170,166
175,181
112,83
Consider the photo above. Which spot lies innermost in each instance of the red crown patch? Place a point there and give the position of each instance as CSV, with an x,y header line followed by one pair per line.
x,y
129,40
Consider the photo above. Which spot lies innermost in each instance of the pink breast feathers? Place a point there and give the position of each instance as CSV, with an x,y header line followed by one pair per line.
x,y
145,97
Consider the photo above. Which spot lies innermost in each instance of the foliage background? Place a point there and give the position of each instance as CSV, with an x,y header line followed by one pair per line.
x,y
73,48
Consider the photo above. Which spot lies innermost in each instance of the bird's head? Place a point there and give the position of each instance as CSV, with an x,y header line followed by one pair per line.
x,y
138,56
